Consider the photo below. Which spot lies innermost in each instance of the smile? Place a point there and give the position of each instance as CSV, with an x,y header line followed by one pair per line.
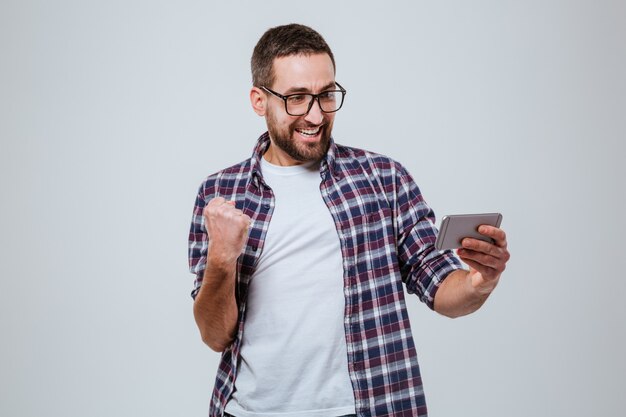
x,y
309,132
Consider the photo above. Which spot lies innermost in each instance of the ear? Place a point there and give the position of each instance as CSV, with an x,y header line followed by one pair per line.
x,y
258,99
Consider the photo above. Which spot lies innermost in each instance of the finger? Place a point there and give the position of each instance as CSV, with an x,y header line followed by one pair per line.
x,y
481,258
248,222
487,273
243,223
236,212
217,201
499,252
223,205
498,235
219,208
482,246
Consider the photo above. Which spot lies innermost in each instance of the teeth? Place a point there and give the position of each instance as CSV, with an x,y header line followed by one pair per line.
x,y
309,132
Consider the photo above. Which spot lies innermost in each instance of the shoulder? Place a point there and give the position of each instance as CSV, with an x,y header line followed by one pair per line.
x,y
386,176
373,163
226,182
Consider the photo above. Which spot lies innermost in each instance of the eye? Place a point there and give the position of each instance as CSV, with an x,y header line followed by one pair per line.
x,y
297,99
328,95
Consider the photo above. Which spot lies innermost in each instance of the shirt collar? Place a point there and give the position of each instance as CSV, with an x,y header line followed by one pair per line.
x,y
328,163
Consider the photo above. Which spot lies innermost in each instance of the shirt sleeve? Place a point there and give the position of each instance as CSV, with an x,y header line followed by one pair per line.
x,y
198,243
422,266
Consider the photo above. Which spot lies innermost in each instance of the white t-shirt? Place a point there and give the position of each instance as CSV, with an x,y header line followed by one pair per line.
x,y
293,352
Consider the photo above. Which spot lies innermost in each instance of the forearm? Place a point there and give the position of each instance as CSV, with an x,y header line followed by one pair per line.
x,y
215,307
457,297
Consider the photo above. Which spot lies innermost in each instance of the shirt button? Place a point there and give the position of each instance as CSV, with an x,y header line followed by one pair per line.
x,y
266,206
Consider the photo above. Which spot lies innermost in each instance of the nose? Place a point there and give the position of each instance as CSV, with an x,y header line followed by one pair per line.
x,y
315,115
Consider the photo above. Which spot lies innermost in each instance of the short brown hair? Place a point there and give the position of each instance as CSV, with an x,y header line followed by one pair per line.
x,y
292,39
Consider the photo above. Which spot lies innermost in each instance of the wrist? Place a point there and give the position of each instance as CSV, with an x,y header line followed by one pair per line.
x,y
479,286
221,259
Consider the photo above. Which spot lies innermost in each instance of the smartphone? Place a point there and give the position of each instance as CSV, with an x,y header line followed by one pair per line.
x,y
456,227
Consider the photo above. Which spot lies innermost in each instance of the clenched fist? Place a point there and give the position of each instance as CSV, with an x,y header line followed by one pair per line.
x,y
227,229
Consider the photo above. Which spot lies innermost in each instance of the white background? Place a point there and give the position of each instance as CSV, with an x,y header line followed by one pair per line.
x,y
112,113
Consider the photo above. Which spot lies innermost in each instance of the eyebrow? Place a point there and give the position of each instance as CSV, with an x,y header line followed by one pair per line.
x,y
293,90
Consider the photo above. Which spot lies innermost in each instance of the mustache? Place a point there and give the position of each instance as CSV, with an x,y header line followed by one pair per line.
x,y
310,126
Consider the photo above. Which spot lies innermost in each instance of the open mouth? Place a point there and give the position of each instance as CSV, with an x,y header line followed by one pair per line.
x,y
309,133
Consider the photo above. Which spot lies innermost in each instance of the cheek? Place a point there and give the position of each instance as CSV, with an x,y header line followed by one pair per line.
x,y
281,124
291,124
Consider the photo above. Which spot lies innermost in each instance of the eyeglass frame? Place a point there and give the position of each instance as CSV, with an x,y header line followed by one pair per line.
x,y
314,97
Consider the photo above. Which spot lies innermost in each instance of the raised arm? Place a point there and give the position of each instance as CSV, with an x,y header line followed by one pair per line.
x,y
215,306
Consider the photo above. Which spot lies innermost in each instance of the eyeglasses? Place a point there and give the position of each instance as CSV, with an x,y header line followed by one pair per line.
x,y
300,104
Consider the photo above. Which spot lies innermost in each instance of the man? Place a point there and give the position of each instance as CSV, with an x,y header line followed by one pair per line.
x,y
301,252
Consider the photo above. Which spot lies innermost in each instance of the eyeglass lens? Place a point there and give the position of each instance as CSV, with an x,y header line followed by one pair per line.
x,y
299,104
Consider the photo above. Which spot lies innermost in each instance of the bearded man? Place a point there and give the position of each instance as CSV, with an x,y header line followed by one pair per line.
x,y
301,253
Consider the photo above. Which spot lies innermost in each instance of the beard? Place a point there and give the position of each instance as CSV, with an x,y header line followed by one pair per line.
x,y
283,138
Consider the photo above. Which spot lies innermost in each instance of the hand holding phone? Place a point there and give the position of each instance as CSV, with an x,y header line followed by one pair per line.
x,y
456,227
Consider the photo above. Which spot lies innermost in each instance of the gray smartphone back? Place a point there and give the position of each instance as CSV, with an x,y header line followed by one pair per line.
x,y
456,227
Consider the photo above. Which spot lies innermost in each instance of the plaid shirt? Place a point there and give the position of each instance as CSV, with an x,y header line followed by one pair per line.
x,y
387,237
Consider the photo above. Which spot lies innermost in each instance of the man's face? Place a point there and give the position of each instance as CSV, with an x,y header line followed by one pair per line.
x,y
298,139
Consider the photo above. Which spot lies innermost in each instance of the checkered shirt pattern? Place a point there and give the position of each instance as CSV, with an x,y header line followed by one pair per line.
x,y
387,237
